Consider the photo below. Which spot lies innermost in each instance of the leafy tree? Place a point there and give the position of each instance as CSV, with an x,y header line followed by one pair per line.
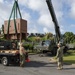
x,y
69,37
48,36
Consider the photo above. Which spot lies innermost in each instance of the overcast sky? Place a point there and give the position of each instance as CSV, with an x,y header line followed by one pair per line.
x,y
38,17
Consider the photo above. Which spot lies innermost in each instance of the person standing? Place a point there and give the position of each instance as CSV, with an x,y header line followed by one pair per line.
x,y
59,56
13,46
22,55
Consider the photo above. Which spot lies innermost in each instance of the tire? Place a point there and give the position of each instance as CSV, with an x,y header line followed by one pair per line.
x,y
5,61
53,53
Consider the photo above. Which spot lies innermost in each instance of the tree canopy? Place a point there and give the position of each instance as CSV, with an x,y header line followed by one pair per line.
x,y
69,37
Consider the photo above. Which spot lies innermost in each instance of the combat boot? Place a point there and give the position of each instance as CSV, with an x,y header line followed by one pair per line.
x,y
59,68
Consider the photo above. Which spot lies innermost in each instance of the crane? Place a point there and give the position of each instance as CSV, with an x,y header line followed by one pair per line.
x,y
54,19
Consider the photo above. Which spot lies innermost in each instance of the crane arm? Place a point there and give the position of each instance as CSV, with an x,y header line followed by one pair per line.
x,y
54,19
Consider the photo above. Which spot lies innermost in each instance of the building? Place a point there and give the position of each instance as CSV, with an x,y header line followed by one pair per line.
x,y
21,27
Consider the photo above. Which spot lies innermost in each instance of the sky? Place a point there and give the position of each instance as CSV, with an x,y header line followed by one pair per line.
x,y
37,14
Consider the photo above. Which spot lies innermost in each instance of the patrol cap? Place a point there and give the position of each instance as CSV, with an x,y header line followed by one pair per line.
x,y
59,44
21,44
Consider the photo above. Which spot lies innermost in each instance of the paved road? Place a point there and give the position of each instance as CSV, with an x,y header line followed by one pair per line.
x,y
37,66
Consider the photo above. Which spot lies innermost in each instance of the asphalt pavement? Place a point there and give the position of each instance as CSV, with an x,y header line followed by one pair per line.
x,y
37,66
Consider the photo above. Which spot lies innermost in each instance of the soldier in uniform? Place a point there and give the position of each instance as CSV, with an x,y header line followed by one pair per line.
x,y
13,46
59,56
22,55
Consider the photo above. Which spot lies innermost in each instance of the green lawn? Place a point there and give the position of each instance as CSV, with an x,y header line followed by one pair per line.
x,y
70,57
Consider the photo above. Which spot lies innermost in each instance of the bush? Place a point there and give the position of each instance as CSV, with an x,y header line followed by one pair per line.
x,y
28,46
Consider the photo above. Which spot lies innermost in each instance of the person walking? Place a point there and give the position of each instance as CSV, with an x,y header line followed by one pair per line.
x,y
59,56
22,55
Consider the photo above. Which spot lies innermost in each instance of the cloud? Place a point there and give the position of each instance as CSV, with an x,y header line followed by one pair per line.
x,y
4,12
1,1
45,30
36,5
23,2
33,29
73,25
72,10
62,30
40,7
45,20
25,15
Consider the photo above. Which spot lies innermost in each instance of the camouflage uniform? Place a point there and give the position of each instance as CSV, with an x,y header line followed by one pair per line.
x,y
22,55
13,46
60,56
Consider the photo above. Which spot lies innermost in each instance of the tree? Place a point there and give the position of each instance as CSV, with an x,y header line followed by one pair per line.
x,y
69,37
49,36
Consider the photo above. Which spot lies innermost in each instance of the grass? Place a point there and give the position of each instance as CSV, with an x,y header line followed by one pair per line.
x,y
70,57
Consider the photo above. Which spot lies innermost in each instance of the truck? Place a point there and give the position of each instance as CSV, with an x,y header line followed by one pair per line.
x,y
43,45
58,35
7,54
46,46
52,45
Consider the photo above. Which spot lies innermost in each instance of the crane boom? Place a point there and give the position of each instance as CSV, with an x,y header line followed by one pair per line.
x,y
54,19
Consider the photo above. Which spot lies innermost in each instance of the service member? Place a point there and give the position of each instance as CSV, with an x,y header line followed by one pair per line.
x,y
59,56
22,55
